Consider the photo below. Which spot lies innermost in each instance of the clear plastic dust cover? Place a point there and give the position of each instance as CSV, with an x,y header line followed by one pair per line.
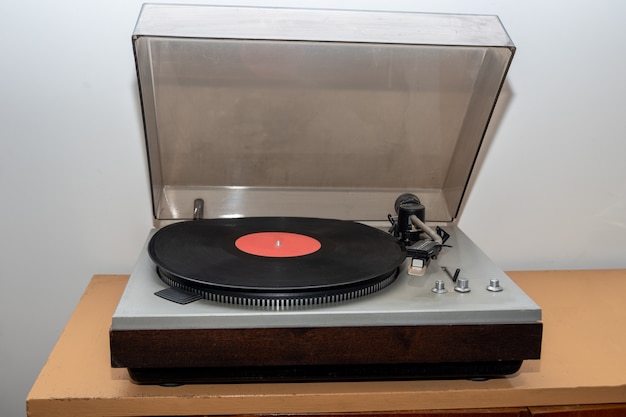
x,y
314,113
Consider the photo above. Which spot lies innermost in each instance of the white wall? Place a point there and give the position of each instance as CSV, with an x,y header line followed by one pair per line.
x,y
74,199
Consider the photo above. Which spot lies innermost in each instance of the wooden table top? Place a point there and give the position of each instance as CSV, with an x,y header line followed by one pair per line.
x,y
583,362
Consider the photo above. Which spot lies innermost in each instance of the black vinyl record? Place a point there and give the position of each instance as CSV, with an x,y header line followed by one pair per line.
x,y
202,256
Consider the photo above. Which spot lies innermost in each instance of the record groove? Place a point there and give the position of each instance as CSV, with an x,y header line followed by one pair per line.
x,y
200,256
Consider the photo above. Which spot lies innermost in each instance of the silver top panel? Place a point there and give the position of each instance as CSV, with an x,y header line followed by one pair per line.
x,y
320,113
408,301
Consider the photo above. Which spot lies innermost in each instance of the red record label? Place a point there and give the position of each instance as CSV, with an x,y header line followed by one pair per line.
x,y
277,244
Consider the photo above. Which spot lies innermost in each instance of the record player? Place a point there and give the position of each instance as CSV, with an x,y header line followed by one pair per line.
x,y
308,168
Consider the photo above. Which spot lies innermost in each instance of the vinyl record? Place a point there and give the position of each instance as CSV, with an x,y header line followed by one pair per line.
x,y
276,261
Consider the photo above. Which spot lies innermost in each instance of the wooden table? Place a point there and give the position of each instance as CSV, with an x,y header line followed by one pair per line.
x,y
582,371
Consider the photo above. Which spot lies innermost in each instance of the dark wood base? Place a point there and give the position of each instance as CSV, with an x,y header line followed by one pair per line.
x,y
326,353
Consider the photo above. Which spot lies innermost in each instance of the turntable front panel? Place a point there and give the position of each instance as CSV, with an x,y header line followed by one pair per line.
x,y
408,301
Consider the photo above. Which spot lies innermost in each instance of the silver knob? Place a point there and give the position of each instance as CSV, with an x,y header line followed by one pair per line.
x,y
439,288
462,285
494,285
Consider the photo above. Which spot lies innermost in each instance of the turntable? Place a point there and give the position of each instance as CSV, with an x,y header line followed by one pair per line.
x,y
308,168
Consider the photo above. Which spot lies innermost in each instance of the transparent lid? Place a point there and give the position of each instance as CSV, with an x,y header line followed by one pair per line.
x,y
315,113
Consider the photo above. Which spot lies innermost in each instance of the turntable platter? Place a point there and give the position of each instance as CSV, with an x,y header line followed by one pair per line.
x,y
276,261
